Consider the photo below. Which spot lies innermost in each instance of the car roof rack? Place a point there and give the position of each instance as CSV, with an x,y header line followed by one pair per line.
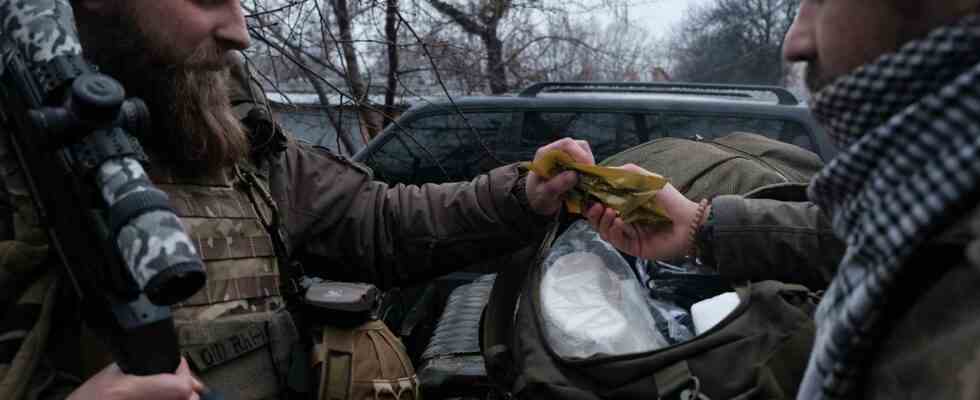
x,y
699,89
653,90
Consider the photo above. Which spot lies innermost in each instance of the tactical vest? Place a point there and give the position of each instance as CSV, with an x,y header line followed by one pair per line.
x,y
235,332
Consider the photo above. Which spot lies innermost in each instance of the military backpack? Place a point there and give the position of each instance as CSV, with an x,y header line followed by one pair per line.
x,y
759,350
733,164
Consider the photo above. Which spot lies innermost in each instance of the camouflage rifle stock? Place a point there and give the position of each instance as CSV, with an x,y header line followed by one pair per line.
x,y
124,250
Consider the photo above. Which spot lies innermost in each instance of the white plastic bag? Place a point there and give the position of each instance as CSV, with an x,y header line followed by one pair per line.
x,y
591,302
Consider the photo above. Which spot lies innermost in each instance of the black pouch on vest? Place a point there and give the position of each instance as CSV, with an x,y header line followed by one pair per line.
x,y
341,303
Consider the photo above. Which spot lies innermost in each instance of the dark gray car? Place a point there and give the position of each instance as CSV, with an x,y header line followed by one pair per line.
x,y
450,141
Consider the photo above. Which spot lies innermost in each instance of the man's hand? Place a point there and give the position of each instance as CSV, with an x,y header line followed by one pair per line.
x,y
646,241
112,384
544,195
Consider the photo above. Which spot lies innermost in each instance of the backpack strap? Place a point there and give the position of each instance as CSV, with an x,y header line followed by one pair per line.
x,y
497,322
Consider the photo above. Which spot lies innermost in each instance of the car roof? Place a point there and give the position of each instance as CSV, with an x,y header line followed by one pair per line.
x,y
622,103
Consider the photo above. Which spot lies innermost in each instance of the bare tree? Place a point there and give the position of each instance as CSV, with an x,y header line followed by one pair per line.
x,y
734,41
391,35
563,48
288,54
483,21
352,66
541,39
337,48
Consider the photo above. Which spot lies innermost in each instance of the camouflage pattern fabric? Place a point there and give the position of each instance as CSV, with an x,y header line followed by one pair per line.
x,y
41,32
153,241
241,296
229,329
42,29
28,286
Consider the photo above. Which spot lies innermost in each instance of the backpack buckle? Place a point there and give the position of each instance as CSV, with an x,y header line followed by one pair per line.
x,y
694,393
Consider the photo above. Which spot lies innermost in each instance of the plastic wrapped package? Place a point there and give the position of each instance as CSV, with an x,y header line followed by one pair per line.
x,y
591,302
673,322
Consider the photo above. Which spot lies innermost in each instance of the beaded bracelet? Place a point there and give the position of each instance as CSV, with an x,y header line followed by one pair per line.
x,y
695,226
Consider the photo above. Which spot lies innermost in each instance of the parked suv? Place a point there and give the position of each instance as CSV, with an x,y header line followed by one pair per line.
x,y
448,141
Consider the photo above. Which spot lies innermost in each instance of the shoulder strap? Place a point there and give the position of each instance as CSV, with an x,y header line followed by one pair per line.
x,y
497,322
257,191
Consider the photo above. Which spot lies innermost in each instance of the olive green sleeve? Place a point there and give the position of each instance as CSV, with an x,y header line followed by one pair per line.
x,y
761,239
355,228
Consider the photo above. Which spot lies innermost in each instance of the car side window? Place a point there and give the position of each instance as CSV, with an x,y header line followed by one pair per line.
x,y
440,148
607,133
711,127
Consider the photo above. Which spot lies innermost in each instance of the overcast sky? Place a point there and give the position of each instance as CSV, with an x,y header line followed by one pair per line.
x,y
658,16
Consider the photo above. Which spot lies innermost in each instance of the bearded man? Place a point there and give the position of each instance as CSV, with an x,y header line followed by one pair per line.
x,y
895,84
228,181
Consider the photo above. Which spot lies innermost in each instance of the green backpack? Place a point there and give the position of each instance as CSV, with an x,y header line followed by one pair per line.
x,y
759,350
734,164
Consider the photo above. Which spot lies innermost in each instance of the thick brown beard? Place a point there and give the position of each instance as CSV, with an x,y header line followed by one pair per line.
x,y
202,131
194,126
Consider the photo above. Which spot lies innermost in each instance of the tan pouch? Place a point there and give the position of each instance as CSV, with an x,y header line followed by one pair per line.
x,y
364,362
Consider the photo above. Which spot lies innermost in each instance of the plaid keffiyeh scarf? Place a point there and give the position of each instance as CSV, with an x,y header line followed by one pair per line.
x,y
909,129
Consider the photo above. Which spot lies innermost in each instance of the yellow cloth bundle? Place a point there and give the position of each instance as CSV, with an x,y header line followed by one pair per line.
x,y
628,192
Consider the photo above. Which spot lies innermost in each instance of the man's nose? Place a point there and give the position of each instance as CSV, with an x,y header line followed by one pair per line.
x,y
231,32
800,43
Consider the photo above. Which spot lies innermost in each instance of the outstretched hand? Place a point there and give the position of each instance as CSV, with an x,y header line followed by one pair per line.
x,y
652,242
545,196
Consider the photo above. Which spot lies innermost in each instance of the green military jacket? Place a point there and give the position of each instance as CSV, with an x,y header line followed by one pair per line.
x,y
931,348
779,237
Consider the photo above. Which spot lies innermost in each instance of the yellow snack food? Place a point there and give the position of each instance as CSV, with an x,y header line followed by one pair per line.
x,y
628,192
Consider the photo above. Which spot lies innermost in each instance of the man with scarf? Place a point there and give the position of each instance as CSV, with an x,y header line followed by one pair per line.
x,y
895,82
226,172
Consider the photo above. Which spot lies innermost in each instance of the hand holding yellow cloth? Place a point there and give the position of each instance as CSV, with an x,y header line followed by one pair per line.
x,y
628,192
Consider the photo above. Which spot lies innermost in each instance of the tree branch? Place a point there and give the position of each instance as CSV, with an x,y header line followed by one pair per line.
x,y
458,17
